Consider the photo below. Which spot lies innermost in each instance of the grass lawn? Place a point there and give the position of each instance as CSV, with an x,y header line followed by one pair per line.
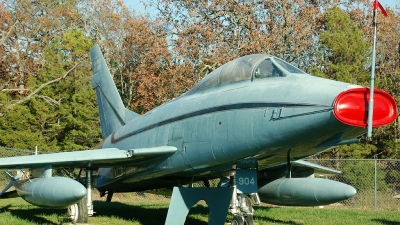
x,y
144,212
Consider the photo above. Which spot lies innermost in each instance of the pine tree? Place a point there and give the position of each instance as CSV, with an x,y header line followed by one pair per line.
x,y
344,52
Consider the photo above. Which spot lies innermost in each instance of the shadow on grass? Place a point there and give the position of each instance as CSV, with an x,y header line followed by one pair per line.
x,y
267,219
38,215
385,222
146,215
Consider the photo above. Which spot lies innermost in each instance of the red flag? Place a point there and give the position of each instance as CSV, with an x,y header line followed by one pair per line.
x,y
376,4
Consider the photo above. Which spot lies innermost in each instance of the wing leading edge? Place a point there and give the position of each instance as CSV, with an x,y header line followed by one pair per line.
x,y
106,157
318,170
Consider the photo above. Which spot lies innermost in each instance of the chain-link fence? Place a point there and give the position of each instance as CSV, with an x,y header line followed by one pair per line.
x,y
376,181
9,152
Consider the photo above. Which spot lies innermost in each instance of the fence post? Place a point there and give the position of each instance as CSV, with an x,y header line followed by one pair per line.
x,y
375,186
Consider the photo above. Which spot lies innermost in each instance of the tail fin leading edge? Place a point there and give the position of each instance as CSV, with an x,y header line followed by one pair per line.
x,y
112,111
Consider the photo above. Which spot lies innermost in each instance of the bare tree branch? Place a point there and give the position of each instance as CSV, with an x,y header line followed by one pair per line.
x,y
15,89
39,89
5,35
49,100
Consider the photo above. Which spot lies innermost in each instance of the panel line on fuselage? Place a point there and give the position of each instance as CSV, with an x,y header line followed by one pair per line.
x,y
304,114
221,108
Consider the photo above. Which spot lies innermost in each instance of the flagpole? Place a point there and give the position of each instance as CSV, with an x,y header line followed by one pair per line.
x,y
372,81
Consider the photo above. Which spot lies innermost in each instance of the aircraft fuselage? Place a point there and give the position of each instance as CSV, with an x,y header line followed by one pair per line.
x,y
214,128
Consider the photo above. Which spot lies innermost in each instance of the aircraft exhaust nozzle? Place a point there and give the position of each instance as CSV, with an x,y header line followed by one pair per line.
x,y
305,192
351,107
53,192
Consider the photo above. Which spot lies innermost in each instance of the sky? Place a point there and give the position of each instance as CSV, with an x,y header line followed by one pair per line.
x,y
138,6
390,3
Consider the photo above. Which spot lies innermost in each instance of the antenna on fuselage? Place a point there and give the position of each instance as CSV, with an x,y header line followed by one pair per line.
x,y
376,4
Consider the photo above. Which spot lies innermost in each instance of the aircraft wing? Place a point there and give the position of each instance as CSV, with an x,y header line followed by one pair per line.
x,y
318,170
106,157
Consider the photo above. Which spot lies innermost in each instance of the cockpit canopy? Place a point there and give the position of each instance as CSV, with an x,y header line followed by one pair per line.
x,y
248,67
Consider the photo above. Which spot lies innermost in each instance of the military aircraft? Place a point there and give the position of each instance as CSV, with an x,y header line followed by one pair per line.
x,y
248,123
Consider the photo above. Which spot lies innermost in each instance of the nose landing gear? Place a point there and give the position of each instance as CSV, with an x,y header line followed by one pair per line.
x,y
245,192
242,208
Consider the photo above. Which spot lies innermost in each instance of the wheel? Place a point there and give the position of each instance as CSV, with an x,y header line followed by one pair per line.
x,y
249,219
78,212
237,220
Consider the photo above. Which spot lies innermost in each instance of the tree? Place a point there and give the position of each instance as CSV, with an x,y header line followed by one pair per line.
x,y
343,51
45,93
137,51
47,86
42,58
207,34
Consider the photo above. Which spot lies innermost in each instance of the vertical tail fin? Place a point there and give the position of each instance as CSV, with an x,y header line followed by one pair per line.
x,y
112,111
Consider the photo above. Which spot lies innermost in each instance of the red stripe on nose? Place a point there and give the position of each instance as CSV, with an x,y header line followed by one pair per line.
x,y
351,107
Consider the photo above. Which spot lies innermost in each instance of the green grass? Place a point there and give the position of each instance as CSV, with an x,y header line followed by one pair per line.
x,y
144,212
325,216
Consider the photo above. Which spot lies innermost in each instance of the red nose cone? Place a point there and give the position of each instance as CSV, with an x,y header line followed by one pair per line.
x,y
351,107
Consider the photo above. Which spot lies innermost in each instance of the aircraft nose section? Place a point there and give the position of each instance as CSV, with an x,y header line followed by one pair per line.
x,y
351,107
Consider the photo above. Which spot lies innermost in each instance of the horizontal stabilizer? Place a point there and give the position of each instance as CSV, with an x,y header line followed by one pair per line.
x,y
107,157
318,170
